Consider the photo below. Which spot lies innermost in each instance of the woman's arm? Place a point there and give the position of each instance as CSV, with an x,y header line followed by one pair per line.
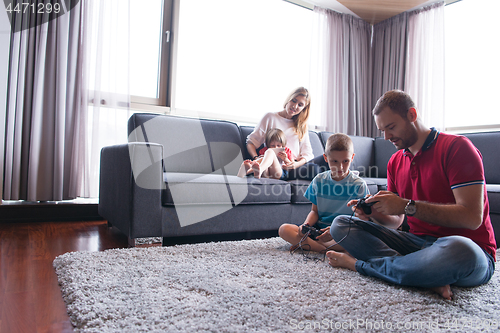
x,y
294,164
252,150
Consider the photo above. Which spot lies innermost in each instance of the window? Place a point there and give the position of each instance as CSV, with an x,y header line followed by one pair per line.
x,y
145,52
472,66
150,44
237,60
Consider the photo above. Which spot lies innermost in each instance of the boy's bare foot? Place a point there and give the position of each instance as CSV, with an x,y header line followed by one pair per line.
x,y
257,172
339,259
444,291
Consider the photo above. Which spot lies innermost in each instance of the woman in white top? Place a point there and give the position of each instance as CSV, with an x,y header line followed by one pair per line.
x,y
292,120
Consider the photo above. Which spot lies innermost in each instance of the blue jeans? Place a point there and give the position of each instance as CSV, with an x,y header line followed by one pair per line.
x,y
406,259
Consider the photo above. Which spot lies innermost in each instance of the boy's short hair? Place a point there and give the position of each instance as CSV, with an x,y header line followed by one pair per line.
x,y
275,134
339,142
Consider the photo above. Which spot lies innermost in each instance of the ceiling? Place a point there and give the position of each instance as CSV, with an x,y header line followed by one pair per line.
x,y
373,11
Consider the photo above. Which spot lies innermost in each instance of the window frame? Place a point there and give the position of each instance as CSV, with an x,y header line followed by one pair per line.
x,y
162,104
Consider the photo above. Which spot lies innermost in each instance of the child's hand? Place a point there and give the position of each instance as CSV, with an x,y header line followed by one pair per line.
x,y
325,236
282,156
358,212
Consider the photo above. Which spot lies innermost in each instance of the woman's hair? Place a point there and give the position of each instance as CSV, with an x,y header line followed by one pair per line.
x,y
339,142
275,134
396,100
300,120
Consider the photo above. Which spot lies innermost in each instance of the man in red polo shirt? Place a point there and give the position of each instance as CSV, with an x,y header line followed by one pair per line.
x,y
437,181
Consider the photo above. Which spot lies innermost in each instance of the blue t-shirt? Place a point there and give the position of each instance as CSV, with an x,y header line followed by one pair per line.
x,y
332,196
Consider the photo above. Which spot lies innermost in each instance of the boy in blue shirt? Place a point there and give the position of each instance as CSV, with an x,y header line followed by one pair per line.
x,y
329,192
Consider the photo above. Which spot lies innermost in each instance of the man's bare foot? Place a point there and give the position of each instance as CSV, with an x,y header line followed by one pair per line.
x,y
257,172
339,259
444,291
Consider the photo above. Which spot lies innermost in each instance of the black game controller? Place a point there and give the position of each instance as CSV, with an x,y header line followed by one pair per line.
x,y
366,207
312,231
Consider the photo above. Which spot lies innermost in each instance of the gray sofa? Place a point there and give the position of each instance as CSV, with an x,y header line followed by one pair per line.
x,y
176,178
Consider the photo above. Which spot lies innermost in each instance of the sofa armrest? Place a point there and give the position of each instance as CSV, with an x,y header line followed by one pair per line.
x,y
131,180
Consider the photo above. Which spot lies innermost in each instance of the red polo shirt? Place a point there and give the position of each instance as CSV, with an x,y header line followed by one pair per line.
x,y
444,163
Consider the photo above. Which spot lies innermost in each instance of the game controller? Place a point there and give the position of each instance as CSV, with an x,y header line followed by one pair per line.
x,y
366,207
312,231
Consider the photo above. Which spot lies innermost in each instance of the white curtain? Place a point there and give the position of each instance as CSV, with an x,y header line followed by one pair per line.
x,y
45,114
341,73
353,65
107,82
424,80
389,48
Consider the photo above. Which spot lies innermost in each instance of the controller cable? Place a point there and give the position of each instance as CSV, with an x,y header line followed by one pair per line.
x,y
306,248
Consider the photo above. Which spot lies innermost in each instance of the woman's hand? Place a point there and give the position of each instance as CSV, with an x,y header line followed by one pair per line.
x,y
289,165
294,164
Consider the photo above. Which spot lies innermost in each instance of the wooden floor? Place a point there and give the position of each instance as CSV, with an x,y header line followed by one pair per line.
x,y
30,297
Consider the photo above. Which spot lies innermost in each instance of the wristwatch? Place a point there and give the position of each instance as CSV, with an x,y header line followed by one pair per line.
x,y
410,208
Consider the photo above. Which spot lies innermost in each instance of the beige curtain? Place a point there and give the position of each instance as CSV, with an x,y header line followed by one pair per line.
x,y
45,122
354,64
341,77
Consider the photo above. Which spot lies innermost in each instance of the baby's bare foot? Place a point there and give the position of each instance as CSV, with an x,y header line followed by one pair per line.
x,y
339,259
245,168
257,172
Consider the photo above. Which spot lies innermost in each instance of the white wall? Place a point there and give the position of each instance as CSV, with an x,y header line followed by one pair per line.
x,y
4,70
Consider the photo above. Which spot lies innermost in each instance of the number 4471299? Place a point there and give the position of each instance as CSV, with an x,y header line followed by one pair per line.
x,y
40,8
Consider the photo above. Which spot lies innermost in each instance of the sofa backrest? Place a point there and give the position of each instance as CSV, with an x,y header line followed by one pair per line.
x,y
316,144
384,149
245,131
487,143
363,150
190,144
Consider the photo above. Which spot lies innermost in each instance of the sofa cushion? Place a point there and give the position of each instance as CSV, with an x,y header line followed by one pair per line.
x,y
380,183
298,188
487,143
210,189
374,184
384,149
190,144
245,131
364,157
316,144
363,150
494,198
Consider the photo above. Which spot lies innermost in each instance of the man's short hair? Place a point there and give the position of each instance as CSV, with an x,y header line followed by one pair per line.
x,y
398,101
275,134
339,142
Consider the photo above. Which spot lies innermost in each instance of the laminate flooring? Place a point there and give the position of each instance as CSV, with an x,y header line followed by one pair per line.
x,y
30,297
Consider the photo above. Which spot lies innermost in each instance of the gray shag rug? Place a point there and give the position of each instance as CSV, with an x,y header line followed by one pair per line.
x,y
253,286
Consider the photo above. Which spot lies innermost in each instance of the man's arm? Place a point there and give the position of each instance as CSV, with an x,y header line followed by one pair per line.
x,y
389,221
466,212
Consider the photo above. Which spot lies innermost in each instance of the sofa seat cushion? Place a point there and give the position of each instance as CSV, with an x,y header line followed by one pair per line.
x,y
494,198
203,189
376,184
